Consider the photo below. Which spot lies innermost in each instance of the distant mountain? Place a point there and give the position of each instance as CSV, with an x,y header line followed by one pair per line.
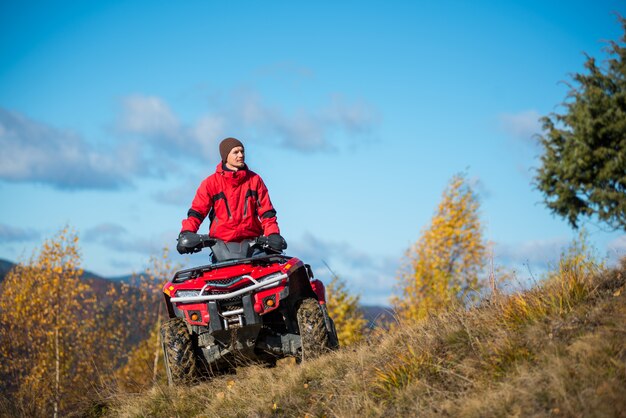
x,y
98,283
126,278
5,266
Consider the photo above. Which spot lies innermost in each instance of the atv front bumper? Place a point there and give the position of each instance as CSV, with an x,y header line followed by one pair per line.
x,y
264,283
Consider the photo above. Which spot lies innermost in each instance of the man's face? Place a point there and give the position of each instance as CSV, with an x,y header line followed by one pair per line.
x,y
235,158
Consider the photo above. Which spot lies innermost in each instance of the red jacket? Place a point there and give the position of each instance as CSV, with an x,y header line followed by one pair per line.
x,y
237,204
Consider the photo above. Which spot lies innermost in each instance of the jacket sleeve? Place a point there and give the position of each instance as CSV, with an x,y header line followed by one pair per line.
x,y
266,211
200,207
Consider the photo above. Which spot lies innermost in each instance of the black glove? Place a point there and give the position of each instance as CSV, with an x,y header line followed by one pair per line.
x,y
181,248
276,242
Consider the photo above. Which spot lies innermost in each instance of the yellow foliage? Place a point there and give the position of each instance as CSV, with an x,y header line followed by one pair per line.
x,y
47,317
445,263
63,344
343,308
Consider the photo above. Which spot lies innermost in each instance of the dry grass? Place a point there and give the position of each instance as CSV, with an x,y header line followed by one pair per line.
x,y
556,350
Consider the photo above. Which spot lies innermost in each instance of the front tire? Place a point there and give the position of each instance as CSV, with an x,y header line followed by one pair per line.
x,y
178,352
313,333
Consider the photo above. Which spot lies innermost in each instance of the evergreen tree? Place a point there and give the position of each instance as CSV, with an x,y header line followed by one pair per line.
x,y
583,166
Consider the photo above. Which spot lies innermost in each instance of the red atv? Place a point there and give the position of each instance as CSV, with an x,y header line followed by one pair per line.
x,y
253,304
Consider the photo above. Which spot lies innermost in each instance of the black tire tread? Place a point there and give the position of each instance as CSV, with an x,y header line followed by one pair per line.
x,y
180,359
313,333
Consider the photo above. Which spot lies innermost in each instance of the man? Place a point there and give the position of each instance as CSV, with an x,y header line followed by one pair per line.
x,y
236,201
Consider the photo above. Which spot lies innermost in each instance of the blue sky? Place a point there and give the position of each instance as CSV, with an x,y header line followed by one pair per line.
x,y
356,115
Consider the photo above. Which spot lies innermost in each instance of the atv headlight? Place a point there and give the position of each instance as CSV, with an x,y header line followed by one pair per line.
x,y
270,276
187,293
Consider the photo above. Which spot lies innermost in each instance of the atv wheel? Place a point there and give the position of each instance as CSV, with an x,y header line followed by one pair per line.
x,y
180,360
313,331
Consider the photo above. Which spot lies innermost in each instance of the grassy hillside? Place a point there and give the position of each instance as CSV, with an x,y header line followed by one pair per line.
x,y
557,350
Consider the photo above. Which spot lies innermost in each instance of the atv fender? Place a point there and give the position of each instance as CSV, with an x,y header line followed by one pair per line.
x,y
299,287
168,304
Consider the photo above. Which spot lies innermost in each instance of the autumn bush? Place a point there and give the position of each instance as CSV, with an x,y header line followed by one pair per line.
x,y
344,309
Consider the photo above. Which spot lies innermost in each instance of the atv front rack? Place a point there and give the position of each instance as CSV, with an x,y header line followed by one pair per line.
x,y
271,281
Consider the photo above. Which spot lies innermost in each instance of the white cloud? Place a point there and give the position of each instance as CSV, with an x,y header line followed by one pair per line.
x,y
14,234
34,151
115,237
522,125
245,113
104,230
150,119
306,130
179,196
152,139
206,134
148,115
536,255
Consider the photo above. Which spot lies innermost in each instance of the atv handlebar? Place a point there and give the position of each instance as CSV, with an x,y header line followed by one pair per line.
x,y
263,243
193,243
189,243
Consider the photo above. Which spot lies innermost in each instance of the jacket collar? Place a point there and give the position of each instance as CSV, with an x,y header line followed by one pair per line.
x,y
236,177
